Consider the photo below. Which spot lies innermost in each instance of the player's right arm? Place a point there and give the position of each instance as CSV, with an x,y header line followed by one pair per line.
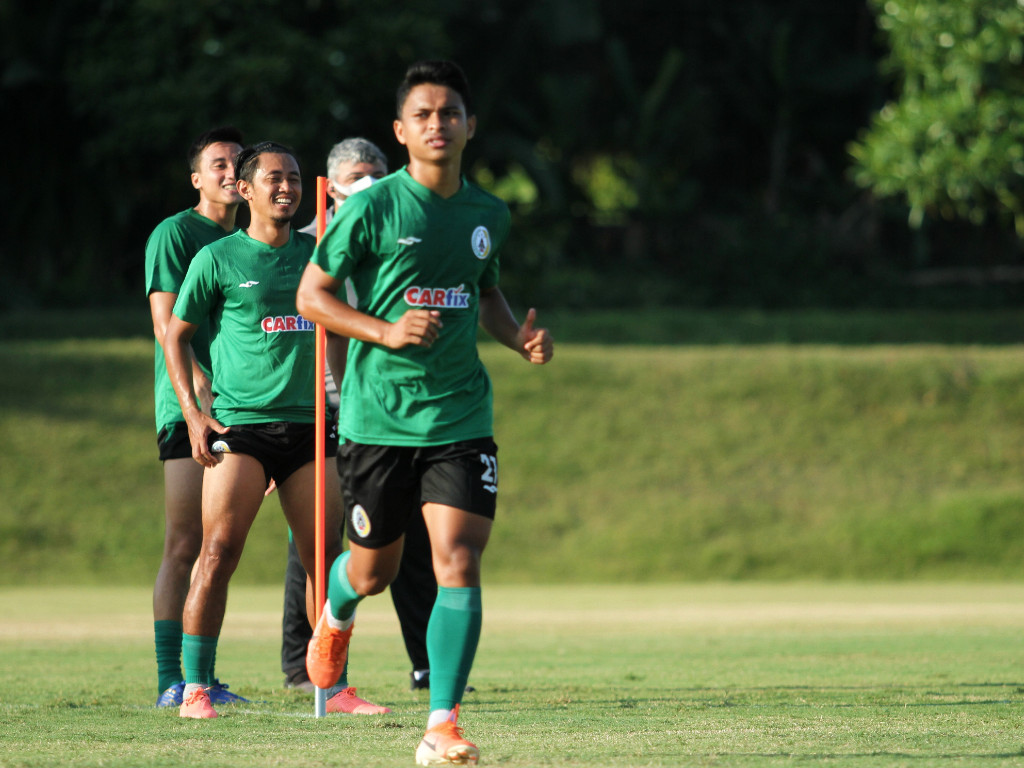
x,y
317,300
168,253
337,357
177,354
161,303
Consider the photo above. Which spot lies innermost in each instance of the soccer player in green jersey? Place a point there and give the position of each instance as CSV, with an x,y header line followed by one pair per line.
x,y
352,165
421,247
169,250
262,428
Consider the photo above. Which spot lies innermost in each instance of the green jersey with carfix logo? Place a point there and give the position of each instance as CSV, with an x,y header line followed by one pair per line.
x,y
262,349
405,247
169,250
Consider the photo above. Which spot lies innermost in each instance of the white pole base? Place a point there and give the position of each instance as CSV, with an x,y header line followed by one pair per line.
x,y
320,703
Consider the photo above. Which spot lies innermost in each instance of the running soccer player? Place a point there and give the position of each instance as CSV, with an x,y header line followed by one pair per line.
x,y
421,247
169,250
354,164
263,423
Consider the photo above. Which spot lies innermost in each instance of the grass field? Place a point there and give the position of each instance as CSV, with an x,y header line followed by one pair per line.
x,y
715,675
666,448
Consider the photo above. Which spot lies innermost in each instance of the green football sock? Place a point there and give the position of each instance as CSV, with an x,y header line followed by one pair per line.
x,y
343,599
452,637
197,654
168,653
342,683
343,680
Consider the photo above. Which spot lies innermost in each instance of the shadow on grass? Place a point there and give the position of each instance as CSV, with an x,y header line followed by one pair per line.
x,y
803,697
832,756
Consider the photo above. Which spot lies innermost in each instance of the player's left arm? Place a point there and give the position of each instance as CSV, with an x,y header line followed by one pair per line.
x,y
534,344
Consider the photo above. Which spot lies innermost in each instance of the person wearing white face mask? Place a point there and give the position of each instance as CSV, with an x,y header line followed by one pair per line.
x,y
353,165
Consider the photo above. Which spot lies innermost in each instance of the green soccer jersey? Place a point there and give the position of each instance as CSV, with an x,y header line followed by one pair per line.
x,y
262,349
405,247
169,251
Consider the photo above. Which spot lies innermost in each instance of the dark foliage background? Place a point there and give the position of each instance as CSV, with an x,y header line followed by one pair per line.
x,y
689,153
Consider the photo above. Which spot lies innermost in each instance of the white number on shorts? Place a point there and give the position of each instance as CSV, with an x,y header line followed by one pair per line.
x,y
490,473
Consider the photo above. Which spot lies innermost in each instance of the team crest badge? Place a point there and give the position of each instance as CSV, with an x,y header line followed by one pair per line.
x,y
361,521
481,242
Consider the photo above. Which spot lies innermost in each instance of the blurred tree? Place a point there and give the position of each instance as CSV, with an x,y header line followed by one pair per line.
x,y
148,76
661,138
652,151
47,182
952,142
110,92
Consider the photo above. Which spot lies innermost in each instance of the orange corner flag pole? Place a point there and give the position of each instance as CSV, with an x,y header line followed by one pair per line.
x,y
320,700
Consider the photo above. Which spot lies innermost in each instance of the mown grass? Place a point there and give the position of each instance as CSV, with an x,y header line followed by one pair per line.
x,y
618,461
656,675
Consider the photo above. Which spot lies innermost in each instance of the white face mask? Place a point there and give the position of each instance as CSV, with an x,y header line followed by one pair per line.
x,y
356,186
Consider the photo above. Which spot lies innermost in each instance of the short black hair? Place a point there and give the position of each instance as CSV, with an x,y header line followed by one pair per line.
x,y
435,72
226,133
248,159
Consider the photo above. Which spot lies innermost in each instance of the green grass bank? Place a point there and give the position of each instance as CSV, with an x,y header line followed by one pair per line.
x,y
716,454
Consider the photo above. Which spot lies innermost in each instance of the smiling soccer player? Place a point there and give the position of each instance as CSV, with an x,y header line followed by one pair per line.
x,y
263,423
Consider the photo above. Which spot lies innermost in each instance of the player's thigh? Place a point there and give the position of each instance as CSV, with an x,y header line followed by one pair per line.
x,y
232,494
381,488
457,540
298,501
183,494
459,493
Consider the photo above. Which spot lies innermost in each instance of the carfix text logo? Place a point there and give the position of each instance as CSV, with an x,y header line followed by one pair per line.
x,y
452,298
286,323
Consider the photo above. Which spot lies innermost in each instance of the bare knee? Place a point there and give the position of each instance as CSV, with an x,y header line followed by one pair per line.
x,y
307,552
372,576
218,560
371,587
370,571
458,566
182,545
370,584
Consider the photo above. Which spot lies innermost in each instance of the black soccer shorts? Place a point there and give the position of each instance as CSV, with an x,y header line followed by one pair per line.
x,y
281,447
383,485
173,442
